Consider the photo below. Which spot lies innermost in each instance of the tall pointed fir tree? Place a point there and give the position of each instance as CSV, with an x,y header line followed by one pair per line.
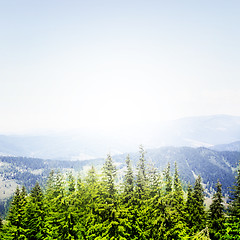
x,y
108,226
177,188
141,181
140,198
232,226
189,208
1,223
168,180
58,224
128,185
127,211
1,228
216,213
35,214
234,207
199,214
177,206
91,200
16,214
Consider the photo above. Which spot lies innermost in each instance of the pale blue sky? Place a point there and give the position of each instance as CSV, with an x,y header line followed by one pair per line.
x,y
70,64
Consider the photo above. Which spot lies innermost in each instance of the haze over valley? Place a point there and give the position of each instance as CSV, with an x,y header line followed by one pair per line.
x,y
122,117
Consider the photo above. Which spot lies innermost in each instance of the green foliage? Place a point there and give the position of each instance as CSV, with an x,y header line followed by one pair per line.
x,y
216,213
141,180
128,185
234,207
168,179
194,207
96,207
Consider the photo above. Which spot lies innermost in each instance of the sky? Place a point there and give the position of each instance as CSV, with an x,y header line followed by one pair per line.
x,y
104,64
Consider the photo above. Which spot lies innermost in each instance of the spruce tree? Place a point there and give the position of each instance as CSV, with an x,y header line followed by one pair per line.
x,y
234,207
16,213
58,220
35,214
216,213
177,189
128,182
189,208
107,209
90,201
109,174
1,223
141,181
71,183
232,225
199,214
168,179
154,182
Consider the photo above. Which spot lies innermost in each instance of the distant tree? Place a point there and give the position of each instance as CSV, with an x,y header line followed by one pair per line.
x,y
128,185
141,181
154,182
177,190
1,223
168,179
71,183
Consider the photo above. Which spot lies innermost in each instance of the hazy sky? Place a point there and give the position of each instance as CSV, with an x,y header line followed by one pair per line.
x,y
70,64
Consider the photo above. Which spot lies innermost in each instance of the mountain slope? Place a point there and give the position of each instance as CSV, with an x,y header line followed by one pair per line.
x,y
209,164
93,143
234,146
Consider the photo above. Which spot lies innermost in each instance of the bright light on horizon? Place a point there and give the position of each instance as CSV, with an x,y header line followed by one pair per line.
x,y
73,65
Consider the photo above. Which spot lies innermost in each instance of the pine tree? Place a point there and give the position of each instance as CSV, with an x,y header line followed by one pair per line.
x,y
16,214
109,174
189,208
90,200
154,182
234,207
107,208
128,182
141,181
58,221
1,223
232,225
71,183
128,211
199,214
216,213
177,190
168,179
35,214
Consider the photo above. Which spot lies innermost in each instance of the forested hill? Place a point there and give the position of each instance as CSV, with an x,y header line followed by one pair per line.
x,y
211,165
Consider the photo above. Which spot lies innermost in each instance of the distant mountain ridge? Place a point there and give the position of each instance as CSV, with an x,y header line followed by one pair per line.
x,y
211,165
200,131
234,146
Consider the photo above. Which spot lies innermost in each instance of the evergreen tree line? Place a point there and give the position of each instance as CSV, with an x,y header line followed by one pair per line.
x,y
146,205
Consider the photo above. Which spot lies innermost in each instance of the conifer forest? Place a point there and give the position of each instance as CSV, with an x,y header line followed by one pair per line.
x,y
144,204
